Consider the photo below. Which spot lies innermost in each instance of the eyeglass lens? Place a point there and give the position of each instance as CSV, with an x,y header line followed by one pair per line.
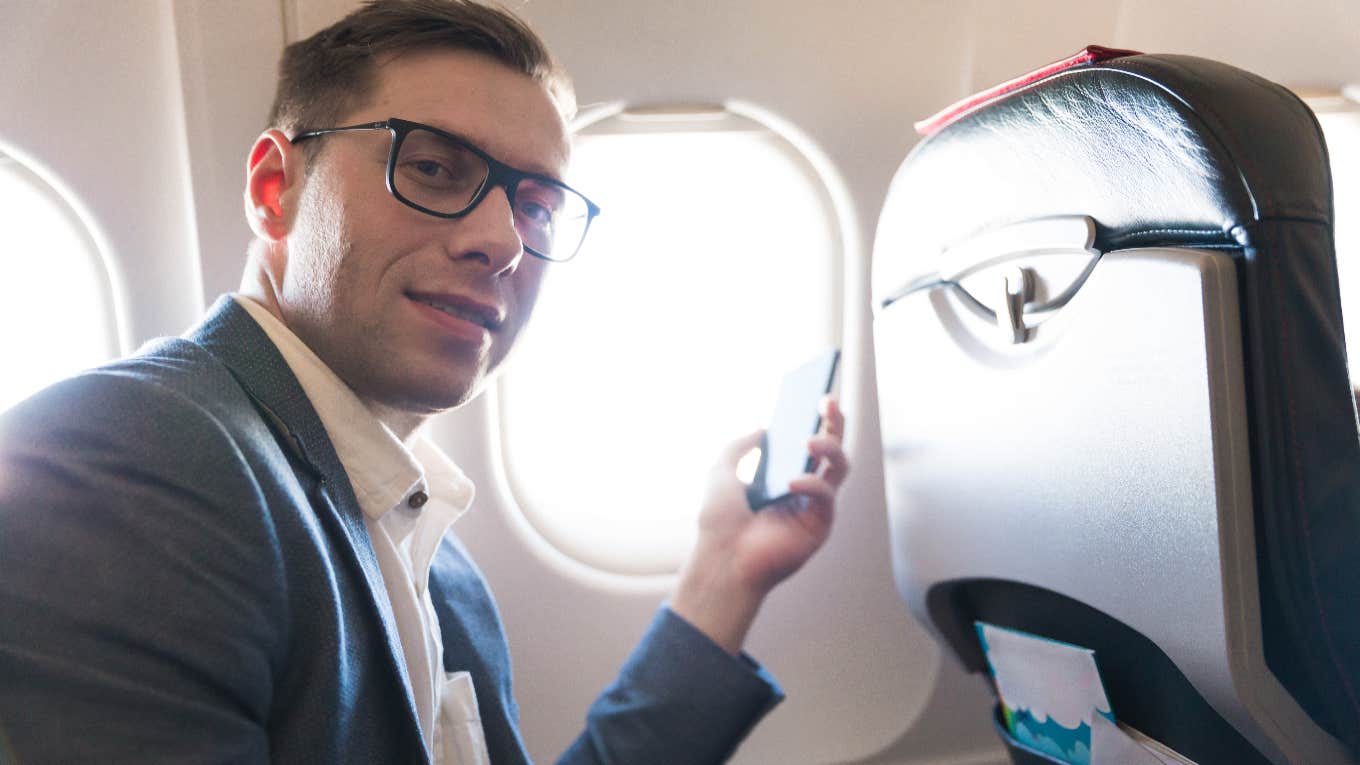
x,y
445,177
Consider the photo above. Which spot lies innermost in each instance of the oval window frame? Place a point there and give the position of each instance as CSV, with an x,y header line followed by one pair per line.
x,y
35,179
601,566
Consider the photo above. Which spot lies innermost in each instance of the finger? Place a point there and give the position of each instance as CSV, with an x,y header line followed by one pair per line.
x,y
832,464
833,419
815,488
816,496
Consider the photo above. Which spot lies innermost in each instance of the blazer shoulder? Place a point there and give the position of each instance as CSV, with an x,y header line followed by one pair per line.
x,y
142,563
172,402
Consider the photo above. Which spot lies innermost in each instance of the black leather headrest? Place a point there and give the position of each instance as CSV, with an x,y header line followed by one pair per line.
x,y
1159,149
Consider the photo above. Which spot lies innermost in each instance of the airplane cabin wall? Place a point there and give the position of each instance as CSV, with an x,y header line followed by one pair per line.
x,y
98,115
144,111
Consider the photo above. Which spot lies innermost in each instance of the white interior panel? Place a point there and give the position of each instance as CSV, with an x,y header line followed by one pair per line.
x,y
229,60
91,96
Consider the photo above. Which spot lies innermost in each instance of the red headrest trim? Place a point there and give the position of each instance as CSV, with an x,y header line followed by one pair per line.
x,y
1088,55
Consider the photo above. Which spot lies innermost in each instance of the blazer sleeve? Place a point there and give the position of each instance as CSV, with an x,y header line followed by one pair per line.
x,y
680,699
140,581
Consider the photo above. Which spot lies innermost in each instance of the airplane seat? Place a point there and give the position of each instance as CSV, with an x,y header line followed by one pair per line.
x,y
1114,400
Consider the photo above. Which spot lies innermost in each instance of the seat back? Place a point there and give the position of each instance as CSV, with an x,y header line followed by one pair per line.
x,y
1114,401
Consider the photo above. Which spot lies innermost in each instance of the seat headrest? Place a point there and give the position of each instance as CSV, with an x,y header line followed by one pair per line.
x,y
1150,146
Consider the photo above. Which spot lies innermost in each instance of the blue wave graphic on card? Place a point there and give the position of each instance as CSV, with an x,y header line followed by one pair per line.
x,y
1049,691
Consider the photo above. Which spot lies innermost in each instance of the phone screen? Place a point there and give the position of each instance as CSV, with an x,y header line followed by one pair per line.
x,y
783,450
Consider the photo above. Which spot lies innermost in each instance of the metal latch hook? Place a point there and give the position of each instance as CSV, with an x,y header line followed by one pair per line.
x,y
1017,287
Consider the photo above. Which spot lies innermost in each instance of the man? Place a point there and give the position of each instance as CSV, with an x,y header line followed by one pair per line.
x,y
231,546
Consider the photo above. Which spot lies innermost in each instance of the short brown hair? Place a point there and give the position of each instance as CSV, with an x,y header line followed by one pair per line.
x,y
331,73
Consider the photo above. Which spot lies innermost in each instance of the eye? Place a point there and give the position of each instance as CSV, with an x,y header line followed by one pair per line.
x,y
434,172
429,163
535,212
430,169
537,203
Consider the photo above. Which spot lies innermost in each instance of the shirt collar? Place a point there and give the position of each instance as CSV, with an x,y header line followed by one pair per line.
x,y
382,469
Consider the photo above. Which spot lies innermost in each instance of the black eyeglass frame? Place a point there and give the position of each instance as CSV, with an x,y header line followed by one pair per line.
x,y
498,174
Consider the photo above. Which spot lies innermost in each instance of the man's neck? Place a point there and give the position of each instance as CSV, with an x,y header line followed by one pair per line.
x,y
402,423
257,285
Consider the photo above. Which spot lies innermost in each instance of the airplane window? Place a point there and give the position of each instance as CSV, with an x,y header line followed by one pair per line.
x,y
714,267
55,309
1339,115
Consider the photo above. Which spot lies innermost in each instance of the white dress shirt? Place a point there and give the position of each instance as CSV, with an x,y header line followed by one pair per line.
x,y
410,494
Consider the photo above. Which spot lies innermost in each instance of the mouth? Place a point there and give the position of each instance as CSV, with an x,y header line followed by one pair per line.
x,y
484,315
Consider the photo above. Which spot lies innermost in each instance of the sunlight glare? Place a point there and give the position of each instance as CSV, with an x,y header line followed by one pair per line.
x,y
711,272
52,301
1342,132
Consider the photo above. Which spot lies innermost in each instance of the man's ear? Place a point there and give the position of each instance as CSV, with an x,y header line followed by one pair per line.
x,y
274,175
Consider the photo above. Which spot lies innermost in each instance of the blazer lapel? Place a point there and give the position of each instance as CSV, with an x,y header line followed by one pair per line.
x,y
229,333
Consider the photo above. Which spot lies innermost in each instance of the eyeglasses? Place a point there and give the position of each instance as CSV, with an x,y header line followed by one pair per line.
x,y
443,175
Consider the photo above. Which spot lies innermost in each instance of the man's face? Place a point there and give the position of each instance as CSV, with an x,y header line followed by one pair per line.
x,y
362,268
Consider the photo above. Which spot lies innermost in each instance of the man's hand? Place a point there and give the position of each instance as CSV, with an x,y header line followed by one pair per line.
x,y
741,555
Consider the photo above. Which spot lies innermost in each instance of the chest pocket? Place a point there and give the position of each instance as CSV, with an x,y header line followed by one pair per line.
x,y
458,736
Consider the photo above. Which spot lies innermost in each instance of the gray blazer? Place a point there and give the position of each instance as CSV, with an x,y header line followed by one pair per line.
x,y
185,576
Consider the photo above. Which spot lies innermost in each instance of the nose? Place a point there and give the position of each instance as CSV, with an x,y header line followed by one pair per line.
x,y
487,234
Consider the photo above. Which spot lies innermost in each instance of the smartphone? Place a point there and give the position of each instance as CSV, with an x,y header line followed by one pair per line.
x,y
783,450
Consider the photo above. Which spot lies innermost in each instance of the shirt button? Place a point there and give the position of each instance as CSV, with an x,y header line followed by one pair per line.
x,y
418,500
